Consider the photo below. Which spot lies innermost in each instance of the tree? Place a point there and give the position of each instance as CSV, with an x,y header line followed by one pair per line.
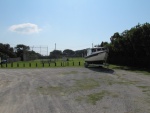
x,y
80,53
68,52
115,37
131,47
56,54
6,51
21,50
104,44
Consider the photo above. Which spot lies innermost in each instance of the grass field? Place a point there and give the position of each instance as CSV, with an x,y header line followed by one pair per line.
x,y
45,63
73,62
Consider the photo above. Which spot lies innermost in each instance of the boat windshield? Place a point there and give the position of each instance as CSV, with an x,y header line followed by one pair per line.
x,y
99,49
94,50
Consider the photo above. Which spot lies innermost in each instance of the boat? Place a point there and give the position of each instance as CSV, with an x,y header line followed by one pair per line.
x,y
96,55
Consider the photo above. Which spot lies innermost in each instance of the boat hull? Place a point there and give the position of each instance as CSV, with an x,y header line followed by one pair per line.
x,y
97,58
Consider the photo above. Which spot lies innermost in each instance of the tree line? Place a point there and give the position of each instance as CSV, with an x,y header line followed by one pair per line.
x,y
20,50
24,52
131,47
67,53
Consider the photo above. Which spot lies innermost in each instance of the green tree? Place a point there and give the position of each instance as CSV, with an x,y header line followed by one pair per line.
x,y
6,51
21,50
131,47
56,54
68,52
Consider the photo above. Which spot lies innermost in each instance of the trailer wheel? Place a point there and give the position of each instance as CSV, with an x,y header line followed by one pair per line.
x,y
86,64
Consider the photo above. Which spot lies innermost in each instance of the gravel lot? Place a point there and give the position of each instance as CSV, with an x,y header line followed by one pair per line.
x,y
73,90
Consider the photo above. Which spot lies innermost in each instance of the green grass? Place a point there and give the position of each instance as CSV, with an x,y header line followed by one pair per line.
x,y
38,64
94,97
73,62
82,85
79,85
86,84
144,88
50,90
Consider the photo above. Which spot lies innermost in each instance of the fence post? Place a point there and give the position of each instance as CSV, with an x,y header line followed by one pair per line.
x,y
36,64
6,65
79,63
55,63
61,63
49,65
12,64
29,64
67,63
73,63
43,64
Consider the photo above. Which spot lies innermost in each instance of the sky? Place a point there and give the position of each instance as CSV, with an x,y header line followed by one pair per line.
x,y
71,24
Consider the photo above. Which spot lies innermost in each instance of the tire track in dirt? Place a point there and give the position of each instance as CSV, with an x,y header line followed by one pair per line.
x,y
73,90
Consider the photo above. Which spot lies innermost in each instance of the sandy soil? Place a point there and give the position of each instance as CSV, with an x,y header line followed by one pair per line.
x,y
73,90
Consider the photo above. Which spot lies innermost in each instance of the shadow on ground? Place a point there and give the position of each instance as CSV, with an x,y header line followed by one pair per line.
x,y
101,69
135,69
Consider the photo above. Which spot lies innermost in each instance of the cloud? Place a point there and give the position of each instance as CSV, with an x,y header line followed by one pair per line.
x,y
26,28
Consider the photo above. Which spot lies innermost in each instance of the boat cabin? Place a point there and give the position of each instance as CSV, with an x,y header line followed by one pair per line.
x,y
95,50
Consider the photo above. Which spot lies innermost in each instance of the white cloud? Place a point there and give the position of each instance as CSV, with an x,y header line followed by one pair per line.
x,y
26,28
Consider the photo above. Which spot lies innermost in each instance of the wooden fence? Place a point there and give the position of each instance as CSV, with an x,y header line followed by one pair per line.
x,y
40,65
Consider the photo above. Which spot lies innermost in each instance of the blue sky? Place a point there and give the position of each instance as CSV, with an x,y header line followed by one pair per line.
x,y
71,24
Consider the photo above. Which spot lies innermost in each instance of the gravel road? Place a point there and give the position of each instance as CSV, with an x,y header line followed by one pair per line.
x,y
73,90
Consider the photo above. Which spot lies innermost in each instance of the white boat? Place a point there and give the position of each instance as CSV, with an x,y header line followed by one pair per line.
x,y
96,55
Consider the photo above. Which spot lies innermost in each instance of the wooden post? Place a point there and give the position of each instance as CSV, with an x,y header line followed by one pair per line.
x,y
12,64
67,63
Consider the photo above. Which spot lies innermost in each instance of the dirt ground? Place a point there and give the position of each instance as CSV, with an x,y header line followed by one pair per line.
x,y
73,90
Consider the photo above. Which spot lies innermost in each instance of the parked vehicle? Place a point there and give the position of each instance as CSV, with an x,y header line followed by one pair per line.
x,y
96,56
3,61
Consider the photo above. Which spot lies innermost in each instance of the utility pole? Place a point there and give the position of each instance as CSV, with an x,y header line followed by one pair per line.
x,y
55,52
92,45
32,48
40,49
55,46
47,50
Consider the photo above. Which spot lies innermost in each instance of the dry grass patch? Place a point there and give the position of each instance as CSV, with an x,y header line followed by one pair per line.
x,y
94,97
84,84
50,90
